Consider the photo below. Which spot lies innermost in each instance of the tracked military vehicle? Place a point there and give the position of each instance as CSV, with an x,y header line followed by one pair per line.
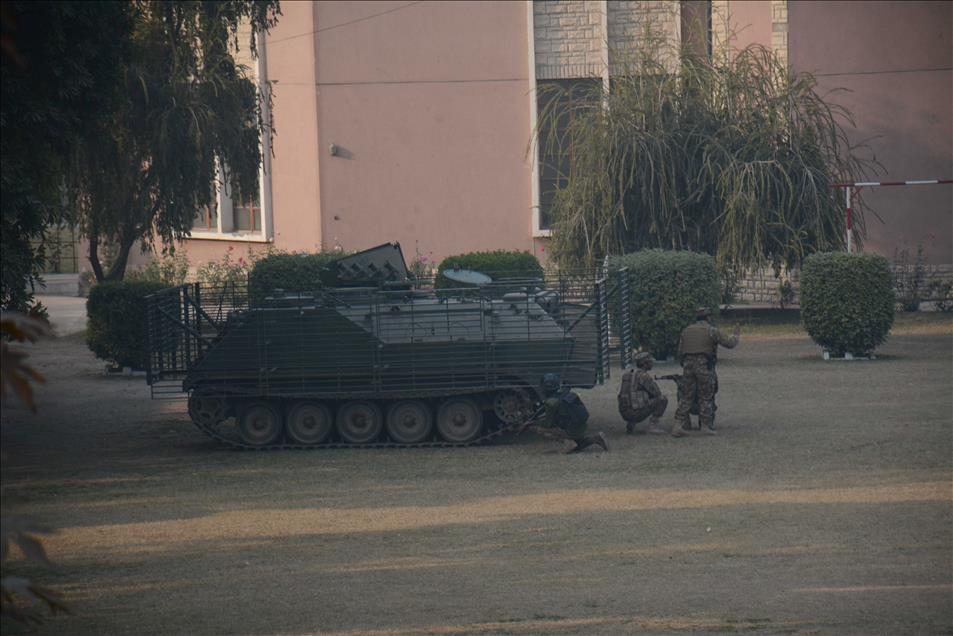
x,y
373,357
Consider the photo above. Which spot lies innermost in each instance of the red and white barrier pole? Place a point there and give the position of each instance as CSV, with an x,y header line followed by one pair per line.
x,y
850,221
848,195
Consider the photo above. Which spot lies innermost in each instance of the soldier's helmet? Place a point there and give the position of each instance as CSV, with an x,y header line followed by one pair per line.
x,y
702,313
642,358
550,383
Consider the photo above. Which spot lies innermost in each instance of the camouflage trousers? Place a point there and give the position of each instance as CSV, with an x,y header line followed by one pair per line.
x,y
654,406
699,380
582,441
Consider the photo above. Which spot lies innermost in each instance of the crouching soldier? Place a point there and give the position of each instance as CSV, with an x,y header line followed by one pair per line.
x,y
640,397
565,416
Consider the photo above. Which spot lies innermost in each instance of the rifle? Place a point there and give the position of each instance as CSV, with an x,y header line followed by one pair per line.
x,y
677,379
552,433
532,418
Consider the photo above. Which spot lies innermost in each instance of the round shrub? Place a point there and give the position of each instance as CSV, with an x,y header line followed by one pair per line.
x,y
667,287
847,301
298,272
116,321
495,264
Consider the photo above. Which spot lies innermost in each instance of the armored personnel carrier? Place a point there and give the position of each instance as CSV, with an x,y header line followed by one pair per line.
x,y
373,357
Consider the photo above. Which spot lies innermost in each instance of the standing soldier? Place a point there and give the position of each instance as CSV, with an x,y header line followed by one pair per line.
x,y
698,352
640,397
566,416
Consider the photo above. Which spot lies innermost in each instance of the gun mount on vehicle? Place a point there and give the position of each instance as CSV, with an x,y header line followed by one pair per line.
x,y
371,357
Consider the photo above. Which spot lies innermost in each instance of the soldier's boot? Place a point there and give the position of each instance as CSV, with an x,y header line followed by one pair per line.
x,y
600,439
710,428
580,444
654,428
678,428
629,427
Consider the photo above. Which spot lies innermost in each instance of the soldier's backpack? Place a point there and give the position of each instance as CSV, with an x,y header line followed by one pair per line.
x,y
625,389
573,408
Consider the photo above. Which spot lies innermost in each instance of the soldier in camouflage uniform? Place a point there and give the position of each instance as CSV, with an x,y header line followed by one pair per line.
x,y
640,397
566,416
698,352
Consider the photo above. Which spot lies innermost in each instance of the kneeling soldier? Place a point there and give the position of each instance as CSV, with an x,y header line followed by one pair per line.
x,y
640,397
566,416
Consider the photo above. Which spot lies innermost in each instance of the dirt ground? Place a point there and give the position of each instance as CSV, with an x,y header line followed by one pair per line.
x,y
824,506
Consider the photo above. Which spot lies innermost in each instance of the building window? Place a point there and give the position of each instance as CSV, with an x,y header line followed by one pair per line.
x,y
232,216
558,103
246,214
207,218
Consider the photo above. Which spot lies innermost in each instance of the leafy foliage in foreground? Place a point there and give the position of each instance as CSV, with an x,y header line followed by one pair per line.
x,y
732,157
847,301
19,596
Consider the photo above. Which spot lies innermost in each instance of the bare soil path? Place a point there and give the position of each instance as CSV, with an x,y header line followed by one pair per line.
x,y
824,506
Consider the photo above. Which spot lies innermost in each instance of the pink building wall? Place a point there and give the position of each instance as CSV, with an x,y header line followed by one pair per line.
x,y
429,107
750,22
295,183
895,60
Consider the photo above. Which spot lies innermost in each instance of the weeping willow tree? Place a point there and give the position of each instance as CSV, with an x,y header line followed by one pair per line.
x,y
188,107
732,157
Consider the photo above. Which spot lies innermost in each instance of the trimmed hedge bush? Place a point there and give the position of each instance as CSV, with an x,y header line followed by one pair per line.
x,y
298,272
667,287
847,301
495,264
116,321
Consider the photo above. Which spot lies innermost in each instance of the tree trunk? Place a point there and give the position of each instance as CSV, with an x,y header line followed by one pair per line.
x,y
94,254
118,269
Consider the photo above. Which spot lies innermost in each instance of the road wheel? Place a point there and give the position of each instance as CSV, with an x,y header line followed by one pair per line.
x,y
359,422
409,421
512,405
206,410
459,420
309,422
259,424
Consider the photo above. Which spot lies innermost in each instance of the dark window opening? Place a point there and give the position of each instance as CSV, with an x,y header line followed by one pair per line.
x,y
206,218
558,103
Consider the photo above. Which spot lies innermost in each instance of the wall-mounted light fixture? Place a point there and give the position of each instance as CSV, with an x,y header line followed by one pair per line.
x,y
333,149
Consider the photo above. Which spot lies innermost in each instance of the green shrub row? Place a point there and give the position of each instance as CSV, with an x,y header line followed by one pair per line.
x,y
847,301
291,272
495,264
666,289
116,321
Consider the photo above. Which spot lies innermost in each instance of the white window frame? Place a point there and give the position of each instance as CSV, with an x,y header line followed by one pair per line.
x,y
225,230
537,231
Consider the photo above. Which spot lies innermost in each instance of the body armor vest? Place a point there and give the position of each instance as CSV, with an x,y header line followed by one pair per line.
x,y
696,339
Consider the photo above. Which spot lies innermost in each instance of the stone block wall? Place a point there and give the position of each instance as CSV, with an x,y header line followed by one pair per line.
x,y
761,287
629,21
779,29
568,37
572,37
